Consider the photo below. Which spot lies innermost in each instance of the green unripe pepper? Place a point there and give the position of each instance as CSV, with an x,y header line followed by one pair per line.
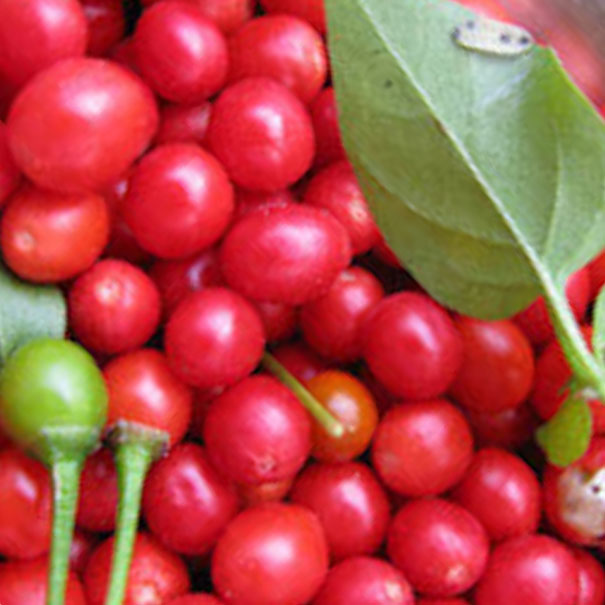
x,y
53,403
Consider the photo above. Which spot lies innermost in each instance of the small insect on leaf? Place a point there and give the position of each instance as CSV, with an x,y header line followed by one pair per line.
x,y
566,436
493,37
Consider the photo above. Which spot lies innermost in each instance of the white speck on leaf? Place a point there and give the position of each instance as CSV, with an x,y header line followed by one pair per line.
x,y
492,37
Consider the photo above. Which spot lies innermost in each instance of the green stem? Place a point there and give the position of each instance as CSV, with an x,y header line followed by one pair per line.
x,y
133,459
65,480
332,426
583,363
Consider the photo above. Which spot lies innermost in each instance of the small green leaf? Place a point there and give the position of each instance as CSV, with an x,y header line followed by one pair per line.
x,y
28,312
598,326
485,173
566,436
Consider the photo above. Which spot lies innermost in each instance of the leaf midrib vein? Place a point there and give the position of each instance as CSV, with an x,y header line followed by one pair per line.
x,y
558,198
412,209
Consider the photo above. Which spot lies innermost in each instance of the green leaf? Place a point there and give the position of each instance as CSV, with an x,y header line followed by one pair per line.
x,y
598,326
28,312
566,436
485,173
